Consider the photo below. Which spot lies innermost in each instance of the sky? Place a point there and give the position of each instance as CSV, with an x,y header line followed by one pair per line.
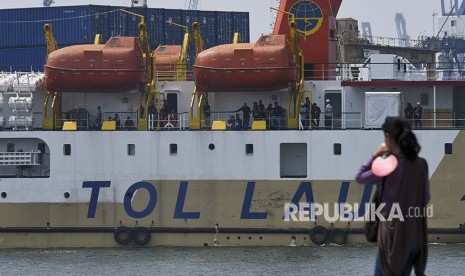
x,y
380,13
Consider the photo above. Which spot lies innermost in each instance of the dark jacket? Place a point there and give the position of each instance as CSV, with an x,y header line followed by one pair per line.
x,y
408,185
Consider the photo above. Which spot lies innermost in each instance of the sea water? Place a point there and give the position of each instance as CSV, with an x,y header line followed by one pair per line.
x,y
321,260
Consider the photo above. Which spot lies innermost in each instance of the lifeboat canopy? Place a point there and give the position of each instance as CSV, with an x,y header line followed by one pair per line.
x,y
265,65
117,66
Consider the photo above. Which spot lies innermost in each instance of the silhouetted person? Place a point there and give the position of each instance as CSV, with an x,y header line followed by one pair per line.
x,y
238,123
417,114
129,124
206,114
408,112
328,114
316,111
245,115
99,117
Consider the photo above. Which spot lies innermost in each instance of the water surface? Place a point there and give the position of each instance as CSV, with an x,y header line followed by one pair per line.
x,y
325,260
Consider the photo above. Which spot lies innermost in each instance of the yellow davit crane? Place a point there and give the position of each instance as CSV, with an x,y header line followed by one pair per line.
x,y
297,88
53,113
198,99
146,100
181,66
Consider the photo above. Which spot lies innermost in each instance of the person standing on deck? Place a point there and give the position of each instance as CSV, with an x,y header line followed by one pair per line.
x,y
402,242
316,111
408,112
328,114
206,114
417,115
99,117
245,115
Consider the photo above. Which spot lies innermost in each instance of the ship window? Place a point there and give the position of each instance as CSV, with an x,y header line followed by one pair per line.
x,y
293,160
337,148
131,149
448,148
453,23
332,33
113,42
67,149
249,149
173,149
10,147
424,98
264,39
162,49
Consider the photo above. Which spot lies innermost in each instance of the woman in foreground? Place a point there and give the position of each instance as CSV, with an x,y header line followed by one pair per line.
x,y
402,243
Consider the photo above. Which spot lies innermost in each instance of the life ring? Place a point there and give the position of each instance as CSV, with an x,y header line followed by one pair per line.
x,y
123,235
140,235
319,235
338,236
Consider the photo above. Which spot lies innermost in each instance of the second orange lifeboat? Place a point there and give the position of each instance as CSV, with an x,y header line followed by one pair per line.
x,y
167,57
117,66
264,66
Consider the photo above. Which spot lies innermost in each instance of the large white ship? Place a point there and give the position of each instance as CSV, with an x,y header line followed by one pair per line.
x,y
187,180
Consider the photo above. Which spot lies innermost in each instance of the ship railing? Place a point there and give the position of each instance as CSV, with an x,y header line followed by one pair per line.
x,y
82,120
336,120
439,120
124,120
439,71
174,75
272,122
174,121
355,38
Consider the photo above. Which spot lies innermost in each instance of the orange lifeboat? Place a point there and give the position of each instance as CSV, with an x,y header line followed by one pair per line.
x,y
263,66
167,57
117,66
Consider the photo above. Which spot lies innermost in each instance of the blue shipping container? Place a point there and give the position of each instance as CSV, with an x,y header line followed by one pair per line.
x,y
22,29
23,59
25,27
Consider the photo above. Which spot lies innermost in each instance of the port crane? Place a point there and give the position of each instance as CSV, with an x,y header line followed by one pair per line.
x,y
455,9
366,32
401,24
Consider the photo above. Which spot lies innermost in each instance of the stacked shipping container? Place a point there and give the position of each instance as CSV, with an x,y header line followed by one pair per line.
x,y
23,45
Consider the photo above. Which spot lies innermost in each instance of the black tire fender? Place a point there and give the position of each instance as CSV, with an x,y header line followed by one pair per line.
x,y
141,235
319,235
123,235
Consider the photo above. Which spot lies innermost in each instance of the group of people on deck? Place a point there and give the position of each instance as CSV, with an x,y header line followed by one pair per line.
x,y
414,114
273,115
305,110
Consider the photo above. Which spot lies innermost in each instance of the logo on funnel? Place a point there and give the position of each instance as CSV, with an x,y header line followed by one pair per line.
x,y
308,16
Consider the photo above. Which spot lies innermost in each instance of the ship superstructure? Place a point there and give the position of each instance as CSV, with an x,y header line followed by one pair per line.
x,y
151,167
